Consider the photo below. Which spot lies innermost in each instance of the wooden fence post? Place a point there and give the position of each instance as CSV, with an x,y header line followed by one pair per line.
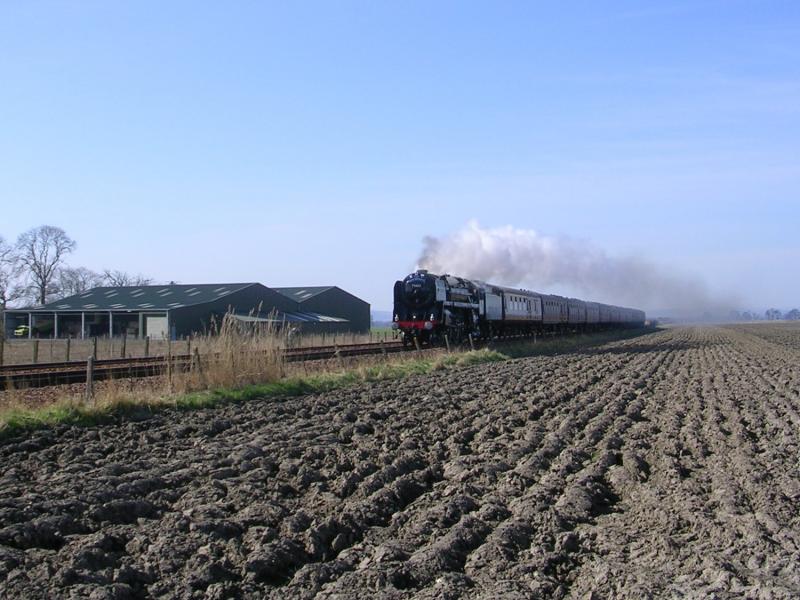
x,y
35,351
471,343
169,365
337,354
147,345
124,343
447,342
94,347
416,344
69,345
2,348
196,364
90,379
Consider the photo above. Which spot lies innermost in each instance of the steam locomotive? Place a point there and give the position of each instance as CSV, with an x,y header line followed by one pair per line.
x,y
428,307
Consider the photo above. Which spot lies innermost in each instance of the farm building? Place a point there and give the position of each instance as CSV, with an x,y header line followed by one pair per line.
x,y
175,311
330,300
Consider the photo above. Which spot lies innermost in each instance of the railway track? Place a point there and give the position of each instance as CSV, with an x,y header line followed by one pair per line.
x,y
61,373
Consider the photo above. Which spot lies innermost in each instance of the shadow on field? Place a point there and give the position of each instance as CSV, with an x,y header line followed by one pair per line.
x,y
647,348
581,344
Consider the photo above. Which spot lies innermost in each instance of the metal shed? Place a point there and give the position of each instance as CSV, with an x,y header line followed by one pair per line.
x,y
160,311
333,301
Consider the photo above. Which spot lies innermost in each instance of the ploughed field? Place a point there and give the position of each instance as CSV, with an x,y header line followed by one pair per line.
x,y
663,465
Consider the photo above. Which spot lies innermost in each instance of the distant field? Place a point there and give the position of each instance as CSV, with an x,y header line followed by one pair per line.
x,y
785,333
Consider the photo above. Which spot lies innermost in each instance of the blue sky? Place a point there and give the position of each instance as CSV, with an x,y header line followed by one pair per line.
x,y
318,143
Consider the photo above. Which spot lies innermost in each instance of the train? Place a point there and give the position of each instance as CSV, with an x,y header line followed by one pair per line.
x,y
428,307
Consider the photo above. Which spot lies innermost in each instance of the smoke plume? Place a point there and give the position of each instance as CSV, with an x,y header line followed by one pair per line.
x,y
521,257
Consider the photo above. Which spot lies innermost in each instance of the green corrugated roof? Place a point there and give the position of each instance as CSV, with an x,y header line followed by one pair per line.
x,y
289,317
143,297
300,294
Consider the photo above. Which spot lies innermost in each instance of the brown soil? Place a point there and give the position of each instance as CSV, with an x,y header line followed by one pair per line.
x,y
665,465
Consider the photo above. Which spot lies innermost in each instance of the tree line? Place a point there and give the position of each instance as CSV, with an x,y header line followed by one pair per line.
x,y
34,270
771,314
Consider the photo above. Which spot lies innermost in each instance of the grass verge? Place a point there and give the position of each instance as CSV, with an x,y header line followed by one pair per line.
x,y
18,419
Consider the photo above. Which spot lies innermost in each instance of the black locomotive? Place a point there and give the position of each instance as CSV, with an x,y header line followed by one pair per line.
x,y
428,307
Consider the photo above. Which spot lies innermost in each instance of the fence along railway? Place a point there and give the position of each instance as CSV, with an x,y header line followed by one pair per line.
x,y
60,373
30,375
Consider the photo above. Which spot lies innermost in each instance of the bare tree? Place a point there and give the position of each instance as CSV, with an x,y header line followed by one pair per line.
x,y
122,279
793,315
10,286
71,281
773,314
41,252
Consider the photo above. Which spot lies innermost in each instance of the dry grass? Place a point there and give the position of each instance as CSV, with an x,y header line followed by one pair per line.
x,y
233,356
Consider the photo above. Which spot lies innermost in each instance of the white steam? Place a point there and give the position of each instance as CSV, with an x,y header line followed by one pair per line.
x,y
522,257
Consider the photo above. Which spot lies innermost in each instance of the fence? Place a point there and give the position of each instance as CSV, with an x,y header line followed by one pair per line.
x,y
25,351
